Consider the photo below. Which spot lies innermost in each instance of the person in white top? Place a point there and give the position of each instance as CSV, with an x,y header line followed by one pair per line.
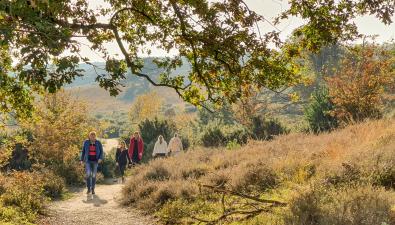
x,y
160,148
175,145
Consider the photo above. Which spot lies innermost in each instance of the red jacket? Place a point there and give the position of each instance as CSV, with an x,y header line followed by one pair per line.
x,y
140,147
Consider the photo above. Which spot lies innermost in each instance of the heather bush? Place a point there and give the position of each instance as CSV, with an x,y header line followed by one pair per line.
x,y
157,172
23,195
216,135
266,129
53,185
209,184
212,136
349,205
254,176
72,172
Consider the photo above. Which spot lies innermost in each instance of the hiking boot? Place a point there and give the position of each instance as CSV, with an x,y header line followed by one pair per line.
x,y
123,180
88,191
93,191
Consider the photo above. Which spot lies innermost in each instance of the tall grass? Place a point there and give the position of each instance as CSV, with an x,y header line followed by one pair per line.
x,y
345,165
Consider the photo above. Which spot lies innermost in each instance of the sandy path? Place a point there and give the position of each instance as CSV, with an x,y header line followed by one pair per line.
x,y
99,209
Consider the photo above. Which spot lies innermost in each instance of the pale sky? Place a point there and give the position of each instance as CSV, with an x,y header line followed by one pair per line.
x,y
367,25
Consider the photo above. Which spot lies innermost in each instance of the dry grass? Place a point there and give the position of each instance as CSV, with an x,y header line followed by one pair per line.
x,y
359,155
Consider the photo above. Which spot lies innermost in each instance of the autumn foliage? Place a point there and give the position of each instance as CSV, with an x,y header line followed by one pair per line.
x,y
60,125
357,88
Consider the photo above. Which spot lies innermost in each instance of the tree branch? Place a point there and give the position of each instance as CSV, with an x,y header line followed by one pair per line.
x,y
220,190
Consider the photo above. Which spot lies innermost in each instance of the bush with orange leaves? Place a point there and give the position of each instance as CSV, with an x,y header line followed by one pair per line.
x,y
357,89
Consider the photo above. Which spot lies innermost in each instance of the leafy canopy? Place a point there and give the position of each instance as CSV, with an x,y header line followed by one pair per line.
x,y
219,39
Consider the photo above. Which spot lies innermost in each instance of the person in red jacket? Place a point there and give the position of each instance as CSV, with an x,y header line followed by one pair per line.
x,y
136,148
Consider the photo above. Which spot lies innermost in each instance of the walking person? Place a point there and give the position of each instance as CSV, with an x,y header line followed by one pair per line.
x,y
160,148
122,159
136,148
175,145
91,156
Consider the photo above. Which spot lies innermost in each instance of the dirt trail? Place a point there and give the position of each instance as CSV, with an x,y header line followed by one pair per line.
x,y
99,209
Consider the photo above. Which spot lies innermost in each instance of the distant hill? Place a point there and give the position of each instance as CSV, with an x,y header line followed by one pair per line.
x,y
87,89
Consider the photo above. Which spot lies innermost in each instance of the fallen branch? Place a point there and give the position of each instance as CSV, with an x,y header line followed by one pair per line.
x,y
267,201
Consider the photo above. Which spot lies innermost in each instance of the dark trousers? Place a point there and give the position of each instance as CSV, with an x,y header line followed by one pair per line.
x,y
122,169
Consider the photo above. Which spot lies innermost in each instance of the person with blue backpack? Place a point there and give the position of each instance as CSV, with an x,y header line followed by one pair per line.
x,y
91,156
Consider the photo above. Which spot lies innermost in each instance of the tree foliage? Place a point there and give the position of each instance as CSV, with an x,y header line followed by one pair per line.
x,y
357,88
60,125
220,40
146,106
319,111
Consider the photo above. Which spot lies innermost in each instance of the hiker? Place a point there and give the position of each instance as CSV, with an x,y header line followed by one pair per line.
x,y
122,158
136,148
175,145
160,148
91,155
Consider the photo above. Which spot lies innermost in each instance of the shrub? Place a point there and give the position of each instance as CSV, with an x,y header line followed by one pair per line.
x,y
318,112
346,175
208,183
57,134
53,184
108,166
157,172
348,205
216,135
10,216
254,177
72,172
164,194
357,88
24,195
266,129
232,145
236,133
195,172
212,136
25,191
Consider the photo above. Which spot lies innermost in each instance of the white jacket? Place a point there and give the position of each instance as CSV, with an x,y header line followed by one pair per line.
x,y
175,145
160,148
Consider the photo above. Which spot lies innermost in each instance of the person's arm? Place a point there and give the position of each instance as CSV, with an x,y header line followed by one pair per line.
x,y
101,153
129,160
117,155
165,148
82,152
155,148
142,149
130,147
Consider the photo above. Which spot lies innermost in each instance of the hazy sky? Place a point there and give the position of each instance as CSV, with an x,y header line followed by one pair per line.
x,y
367,25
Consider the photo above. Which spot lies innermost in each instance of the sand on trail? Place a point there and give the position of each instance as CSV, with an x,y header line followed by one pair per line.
x,y
99,209
103,208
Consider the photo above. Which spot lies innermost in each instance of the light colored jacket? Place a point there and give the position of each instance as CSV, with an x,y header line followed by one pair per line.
x,y
160,148
175,145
